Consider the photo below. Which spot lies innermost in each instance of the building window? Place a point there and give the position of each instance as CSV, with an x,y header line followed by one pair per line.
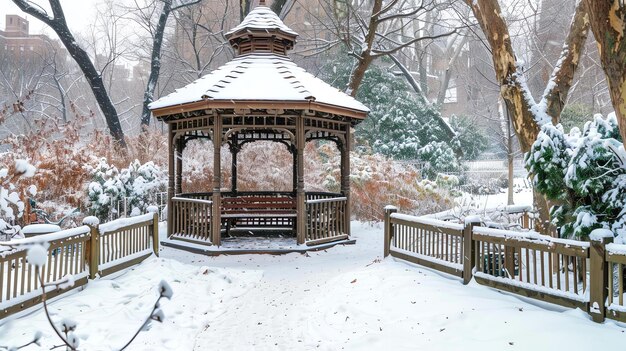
x,y
32,48
451,96
21,47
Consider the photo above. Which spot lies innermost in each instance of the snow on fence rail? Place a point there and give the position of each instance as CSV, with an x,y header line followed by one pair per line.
x,y
566,272
73,256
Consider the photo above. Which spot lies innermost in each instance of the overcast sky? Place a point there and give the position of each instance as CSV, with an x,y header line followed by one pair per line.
x,y
78,13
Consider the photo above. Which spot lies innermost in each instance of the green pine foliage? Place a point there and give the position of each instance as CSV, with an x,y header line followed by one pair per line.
x,y
584,174
470,137
400,125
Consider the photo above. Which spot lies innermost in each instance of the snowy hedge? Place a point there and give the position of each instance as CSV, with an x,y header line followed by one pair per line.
x,y
12,194
584,174
137,184
400,124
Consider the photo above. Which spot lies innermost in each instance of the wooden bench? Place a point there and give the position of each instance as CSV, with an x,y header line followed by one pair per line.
x,y
258,211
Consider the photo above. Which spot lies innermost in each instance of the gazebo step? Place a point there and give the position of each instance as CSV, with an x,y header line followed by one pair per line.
x,y
221,250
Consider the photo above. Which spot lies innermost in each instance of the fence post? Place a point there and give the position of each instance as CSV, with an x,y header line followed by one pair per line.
x,y
598,275
469,259
388,228
525,220
92,255
155,228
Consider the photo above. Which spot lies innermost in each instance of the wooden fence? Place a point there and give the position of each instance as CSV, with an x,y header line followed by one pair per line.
x,y
191,219
81,253
577,274
326,220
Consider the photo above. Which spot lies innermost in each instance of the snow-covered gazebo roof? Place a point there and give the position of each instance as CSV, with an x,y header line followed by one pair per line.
x,y
262,76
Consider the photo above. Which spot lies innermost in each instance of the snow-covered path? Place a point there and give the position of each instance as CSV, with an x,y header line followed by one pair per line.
x,y
342,298
347,298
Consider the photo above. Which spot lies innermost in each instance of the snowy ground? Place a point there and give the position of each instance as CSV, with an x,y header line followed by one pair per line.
x,y
522,195
342,298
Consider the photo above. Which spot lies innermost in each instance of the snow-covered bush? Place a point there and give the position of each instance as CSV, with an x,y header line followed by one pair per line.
x,y
137,184
12,195
437,157
469,136
375,181
584,174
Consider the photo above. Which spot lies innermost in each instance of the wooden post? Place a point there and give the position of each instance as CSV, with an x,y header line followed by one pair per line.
x,y
217,180
509,261
345,176
300,196
92,254
170,182
294,153
180,146
388,228
155,231
525,220
234,151
598,279
469,259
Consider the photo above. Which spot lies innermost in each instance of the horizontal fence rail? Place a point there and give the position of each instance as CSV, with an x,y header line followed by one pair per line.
x,y
326,220
73,256
587,275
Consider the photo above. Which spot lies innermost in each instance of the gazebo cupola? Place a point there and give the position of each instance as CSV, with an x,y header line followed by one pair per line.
x,y
261,32
260,95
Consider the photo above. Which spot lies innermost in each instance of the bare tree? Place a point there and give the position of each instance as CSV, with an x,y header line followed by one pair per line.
x,y
384,33
156,30
59,25
526,114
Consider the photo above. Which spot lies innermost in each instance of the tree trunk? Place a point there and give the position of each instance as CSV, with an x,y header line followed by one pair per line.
x,y
364,58
509,156
608,23
282,7
528,116
445,79
95,82
155,63
244,8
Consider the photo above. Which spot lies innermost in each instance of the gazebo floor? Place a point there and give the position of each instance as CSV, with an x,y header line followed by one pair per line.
x,y
252,245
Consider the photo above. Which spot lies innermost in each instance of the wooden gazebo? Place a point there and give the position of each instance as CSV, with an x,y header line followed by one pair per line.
x,y
259,95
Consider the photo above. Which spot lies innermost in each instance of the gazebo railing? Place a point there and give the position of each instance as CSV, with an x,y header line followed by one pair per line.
x,y
191,219
325,215
318,195
325,218
208,195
